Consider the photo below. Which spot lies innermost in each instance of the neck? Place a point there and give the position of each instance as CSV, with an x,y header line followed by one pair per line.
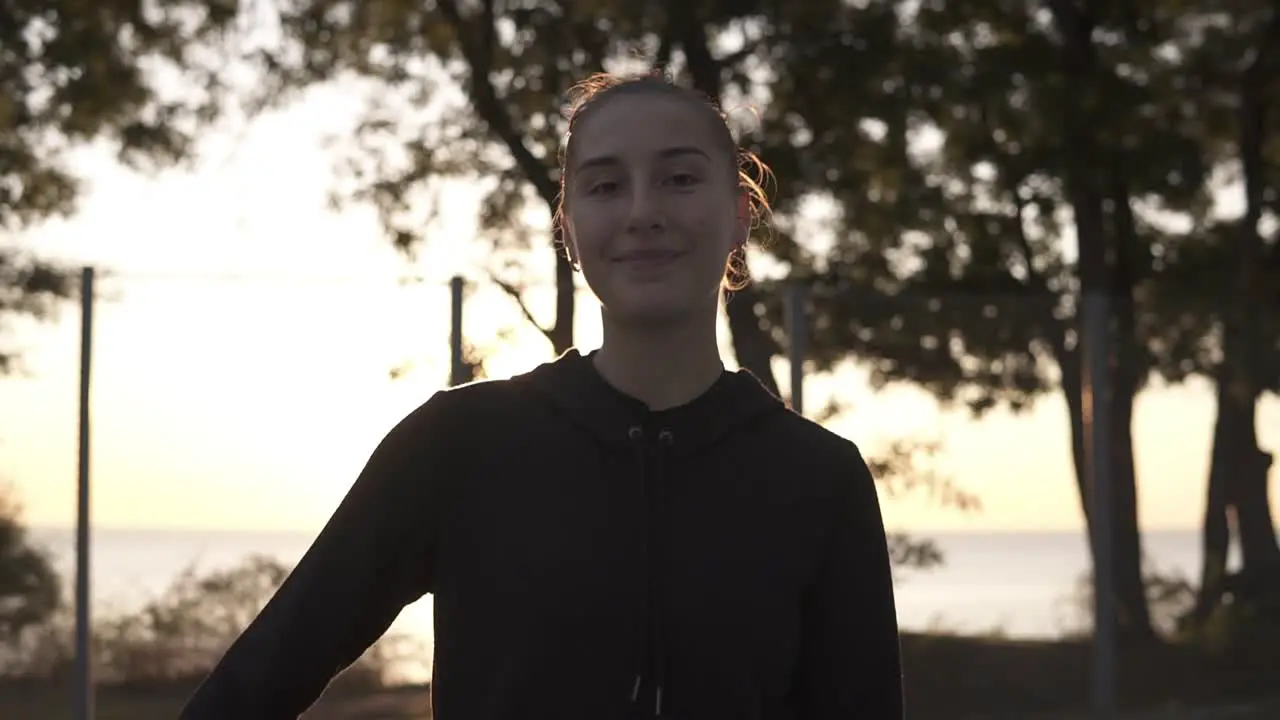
x,y
663,366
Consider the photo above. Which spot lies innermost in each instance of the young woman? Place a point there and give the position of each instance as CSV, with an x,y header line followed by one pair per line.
x,y
631,533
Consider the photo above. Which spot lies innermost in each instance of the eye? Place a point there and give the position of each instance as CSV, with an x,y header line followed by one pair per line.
x,y
683,179
603,187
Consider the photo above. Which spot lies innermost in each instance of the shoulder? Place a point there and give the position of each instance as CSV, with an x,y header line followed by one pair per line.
x,y
437,439
461,406
798,435
834,465
834,474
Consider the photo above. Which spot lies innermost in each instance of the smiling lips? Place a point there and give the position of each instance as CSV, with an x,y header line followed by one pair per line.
x,y
648,258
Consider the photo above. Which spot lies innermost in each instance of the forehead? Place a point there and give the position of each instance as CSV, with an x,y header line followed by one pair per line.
x,y
644,123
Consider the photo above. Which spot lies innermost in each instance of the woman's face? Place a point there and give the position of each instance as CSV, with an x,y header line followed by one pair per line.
x,y
652,206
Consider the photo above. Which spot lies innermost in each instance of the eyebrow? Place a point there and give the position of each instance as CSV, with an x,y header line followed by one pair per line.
x,y
665,154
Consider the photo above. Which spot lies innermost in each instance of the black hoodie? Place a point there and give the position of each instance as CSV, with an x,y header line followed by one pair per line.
x,y
591,559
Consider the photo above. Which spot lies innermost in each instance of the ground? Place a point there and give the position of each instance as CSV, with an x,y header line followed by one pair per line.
x,y
948,677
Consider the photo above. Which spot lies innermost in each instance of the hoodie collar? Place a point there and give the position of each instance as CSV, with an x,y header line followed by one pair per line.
x,y
576,388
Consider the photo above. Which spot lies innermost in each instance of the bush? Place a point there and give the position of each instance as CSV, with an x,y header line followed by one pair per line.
x,y
30,590
177,636
1170,597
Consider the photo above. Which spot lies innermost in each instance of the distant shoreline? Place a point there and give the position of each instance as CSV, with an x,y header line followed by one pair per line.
x,y
296,532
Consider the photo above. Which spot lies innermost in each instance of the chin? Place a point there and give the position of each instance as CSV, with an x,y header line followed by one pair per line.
x,y
657,308
648,315
648,310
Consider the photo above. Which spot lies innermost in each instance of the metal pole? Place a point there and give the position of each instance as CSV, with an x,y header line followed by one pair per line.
x,y
1097,421
458,374
84,630
797,331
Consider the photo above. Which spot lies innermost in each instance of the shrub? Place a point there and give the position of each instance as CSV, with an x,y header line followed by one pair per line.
x,y
177,636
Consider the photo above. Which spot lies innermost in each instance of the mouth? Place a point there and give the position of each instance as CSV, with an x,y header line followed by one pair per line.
x,y
648,257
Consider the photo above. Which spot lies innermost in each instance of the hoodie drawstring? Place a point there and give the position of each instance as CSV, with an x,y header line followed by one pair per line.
x,y
653,655
661,533
636,436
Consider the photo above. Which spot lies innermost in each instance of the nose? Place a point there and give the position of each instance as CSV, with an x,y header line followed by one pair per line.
x,y
646,215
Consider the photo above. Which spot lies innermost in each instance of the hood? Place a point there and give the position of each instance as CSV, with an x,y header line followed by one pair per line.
x,y
577,389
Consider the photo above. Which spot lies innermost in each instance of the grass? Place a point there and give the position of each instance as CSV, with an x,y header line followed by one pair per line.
x,y
51,702
411,704
957,677
948,678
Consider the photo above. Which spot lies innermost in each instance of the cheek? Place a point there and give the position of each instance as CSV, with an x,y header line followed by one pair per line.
x,y
586,246
590,230
715,232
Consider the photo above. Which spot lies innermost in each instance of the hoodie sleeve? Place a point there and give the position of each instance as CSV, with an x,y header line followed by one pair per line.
x,y
373,557
850,665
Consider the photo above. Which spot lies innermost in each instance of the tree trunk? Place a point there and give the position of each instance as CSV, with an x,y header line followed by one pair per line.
x,y
561,333
1080,151
477,45
1237,487
751,344
1238,467
1215,535
1134,613
1069,367
1133,617
1259,551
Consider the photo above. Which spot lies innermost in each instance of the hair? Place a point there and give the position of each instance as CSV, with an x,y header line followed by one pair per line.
x,y
750,174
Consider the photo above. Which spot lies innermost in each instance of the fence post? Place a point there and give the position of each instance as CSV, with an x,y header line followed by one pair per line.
x,y
1096,390
458,371
84,695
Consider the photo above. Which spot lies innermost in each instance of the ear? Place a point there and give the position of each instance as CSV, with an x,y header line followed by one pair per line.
x,y
743,227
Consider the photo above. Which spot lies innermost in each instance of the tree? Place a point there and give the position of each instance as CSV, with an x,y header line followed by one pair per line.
x,y
1047,118
144,78
1222,280
1250,341
514,63
30,589
1030,124
1043,123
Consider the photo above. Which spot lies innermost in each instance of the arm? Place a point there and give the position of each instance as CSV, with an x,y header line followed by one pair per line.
x,y
372,558
850,665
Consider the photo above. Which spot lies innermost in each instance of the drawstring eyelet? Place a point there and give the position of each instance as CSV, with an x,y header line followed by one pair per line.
x,y
666,438
635,433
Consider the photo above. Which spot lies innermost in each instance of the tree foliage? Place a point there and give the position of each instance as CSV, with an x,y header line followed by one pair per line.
x,y
1033,134
910,467
143,78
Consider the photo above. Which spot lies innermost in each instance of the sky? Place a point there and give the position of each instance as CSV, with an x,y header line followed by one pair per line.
x,y
245,334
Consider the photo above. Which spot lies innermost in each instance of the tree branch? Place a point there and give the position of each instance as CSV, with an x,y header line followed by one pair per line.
x,y
1036,279
484,97
513,291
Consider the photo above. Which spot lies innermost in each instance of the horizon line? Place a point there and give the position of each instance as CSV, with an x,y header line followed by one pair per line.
x,y
223,530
